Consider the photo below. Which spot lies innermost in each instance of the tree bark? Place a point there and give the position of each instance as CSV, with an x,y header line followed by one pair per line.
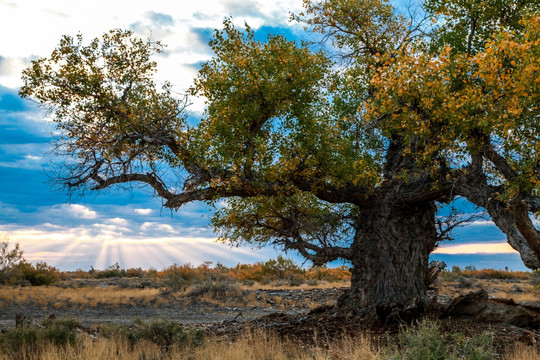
x,y
390,261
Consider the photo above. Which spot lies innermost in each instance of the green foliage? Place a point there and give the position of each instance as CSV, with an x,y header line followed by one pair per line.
x,y
59,332
478,347
36,275
113,77
179,277
280,267
15,340
466,25
15,270
425,342
110,272
260,96
164,333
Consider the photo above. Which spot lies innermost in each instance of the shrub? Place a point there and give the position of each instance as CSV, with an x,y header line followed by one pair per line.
x,y
40,274
15,340
465,282
217,290
59,332
167,333
179,277
295,279
109,272
447,275
134,272
478,347
322,273
164,333
425,342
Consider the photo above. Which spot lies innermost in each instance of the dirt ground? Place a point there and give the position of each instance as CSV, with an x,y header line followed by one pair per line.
x,y
191,311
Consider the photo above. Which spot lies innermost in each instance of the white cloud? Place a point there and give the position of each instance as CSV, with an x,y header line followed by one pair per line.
x,y
118,221
476,248
80,211
39,26
165,228
32,158
481,223
143,211
154,228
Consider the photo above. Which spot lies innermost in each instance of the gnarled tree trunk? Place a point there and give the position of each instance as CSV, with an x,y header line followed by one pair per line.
x,y
390,260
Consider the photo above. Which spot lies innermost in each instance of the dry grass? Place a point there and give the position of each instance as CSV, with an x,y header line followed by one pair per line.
x,y
85,296
249,346
110,297
523,352
305,286
496,288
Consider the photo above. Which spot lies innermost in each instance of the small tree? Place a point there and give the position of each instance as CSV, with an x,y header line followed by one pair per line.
x,y
9,259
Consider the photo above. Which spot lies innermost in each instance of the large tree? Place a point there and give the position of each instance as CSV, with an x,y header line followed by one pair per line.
x,y
344,152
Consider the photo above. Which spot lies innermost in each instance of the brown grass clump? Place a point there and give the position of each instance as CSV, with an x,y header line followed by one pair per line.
x,y
305,286
500,289
523,352
80,297
250,345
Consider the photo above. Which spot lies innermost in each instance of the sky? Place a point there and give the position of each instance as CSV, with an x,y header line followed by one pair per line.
x,y
133,229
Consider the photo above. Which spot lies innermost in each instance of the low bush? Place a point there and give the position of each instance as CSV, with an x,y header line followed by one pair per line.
x,y
110,272
216,290
323,273
425,342
179,277
465,282
40,274
471,272
135,272
163,333
26,339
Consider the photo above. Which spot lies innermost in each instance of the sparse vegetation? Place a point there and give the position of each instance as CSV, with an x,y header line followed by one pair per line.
x,y
15,270
163,333
161,339
425,341
535,279
471,272
206,287
24,340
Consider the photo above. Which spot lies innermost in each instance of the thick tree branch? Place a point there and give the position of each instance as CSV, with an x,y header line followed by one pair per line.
x,y
476,190
151,179
318,255
500,162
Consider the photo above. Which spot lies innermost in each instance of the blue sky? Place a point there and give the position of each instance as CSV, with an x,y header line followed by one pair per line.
x,y
132,228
